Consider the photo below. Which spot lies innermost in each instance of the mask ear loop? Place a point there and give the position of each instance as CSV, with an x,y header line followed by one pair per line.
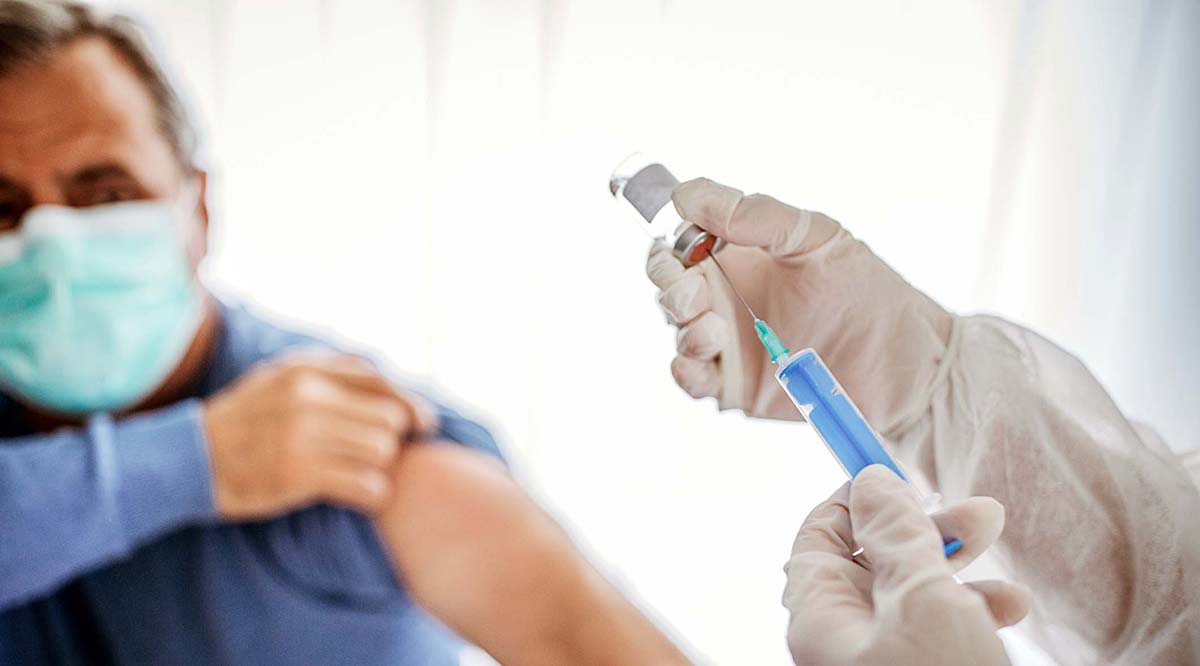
x,y
185,209
185,215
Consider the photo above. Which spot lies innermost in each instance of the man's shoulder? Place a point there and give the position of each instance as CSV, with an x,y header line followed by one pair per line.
x,y
255,337
247,338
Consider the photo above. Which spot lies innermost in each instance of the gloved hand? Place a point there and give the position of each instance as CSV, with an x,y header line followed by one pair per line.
x,y
903,606
816,285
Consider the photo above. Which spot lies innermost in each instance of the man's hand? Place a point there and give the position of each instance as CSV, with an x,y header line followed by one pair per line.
x,y
308,429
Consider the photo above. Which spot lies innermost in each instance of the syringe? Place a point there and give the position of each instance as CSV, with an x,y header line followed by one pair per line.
x,y
823,403
647,186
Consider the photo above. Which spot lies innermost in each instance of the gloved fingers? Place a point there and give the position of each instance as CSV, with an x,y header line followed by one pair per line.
x,y
903,544
701,379
662,267
827,592
687,297
827,527
976,521
1008,602
704,338
756,220
828,598
829,607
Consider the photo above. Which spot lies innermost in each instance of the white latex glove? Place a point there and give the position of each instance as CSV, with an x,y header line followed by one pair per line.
x,y
815,284
903,606
1102,519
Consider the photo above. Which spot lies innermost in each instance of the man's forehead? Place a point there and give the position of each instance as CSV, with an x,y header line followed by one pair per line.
x,y
86,75
76,101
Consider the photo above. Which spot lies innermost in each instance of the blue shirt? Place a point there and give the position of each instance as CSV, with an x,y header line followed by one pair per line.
x,y
110,551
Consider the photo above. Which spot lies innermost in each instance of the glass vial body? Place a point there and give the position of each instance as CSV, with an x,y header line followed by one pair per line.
x,y
647,185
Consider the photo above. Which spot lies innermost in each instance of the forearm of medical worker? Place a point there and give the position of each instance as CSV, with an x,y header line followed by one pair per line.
x,y
1102,523
76,499
480,555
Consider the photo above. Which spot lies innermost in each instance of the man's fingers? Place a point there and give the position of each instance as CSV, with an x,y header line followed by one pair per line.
x,y
704,338
422,418
346,440
976,521
357,372
353,388
353,486
701,379
425,417
385,412
662,267
755,221
1008,603
687,297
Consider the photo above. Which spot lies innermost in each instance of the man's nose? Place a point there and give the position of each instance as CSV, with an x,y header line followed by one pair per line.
x,y
47,192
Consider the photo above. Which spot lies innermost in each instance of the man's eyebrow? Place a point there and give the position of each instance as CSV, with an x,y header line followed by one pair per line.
x,y
91,174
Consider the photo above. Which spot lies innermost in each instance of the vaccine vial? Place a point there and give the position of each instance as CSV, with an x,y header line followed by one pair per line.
x,y
647,186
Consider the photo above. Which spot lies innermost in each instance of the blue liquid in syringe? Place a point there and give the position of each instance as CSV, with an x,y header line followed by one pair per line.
x,y
836,419
827,408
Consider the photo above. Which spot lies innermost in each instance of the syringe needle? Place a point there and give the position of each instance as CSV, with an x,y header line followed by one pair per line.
x,y
713,256
766,336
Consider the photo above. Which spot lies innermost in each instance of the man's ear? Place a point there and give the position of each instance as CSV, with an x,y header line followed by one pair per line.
x,y
202,209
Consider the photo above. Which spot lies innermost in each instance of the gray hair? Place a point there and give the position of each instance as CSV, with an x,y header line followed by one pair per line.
x,y
31,30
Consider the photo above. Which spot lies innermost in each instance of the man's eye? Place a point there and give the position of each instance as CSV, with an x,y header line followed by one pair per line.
x,y
10,216
112,194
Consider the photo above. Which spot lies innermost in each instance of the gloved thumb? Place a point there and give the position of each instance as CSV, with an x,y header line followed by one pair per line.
x,y
976,521
1007,602
753,221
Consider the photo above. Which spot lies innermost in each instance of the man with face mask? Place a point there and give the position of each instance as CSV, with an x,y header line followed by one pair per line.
x,y
182,482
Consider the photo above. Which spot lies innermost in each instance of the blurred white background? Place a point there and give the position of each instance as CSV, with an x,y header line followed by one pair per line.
x,y
429,178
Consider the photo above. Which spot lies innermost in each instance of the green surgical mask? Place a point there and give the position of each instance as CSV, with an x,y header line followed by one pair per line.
x,y
97,305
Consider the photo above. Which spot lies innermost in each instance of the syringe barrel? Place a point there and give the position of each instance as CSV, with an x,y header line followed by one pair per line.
x,y
835,417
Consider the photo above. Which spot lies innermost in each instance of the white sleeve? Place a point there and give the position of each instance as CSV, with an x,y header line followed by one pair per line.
x,y
1103,522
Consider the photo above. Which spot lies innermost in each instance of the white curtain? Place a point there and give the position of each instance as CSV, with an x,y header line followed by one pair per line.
x,y
429,178
1093,232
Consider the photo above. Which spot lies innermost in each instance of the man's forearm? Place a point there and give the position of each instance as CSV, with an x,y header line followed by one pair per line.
x,y
77,499
477,553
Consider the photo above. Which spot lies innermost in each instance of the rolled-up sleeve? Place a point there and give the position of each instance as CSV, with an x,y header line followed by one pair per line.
x,y
333,555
